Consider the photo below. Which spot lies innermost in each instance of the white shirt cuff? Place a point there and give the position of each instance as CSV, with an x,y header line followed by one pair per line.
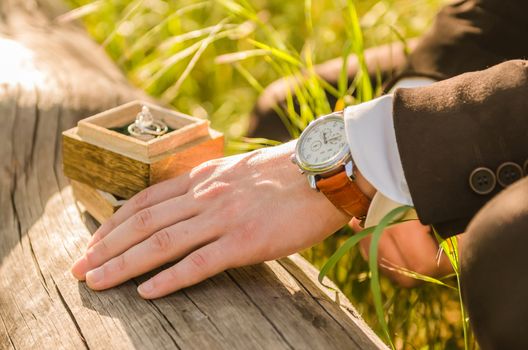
x,y
370,134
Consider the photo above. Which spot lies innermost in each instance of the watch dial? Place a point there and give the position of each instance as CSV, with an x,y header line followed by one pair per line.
x,y
323,142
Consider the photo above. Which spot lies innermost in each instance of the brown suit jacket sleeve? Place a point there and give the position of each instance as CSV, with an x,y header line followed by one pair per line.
x,y
471,35
448,129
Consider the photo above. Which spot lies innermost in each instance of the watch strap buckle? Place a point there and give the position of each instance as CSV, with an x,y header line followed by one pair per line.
x,y
349,170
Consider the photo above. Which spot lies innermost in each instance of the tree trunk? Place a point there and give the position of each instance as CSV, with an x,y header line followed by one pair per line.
x,y
52,75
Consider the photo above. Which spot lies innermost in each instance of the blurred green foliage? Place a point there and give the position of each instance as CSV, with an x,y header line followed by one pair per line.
x,y
211,59
149,38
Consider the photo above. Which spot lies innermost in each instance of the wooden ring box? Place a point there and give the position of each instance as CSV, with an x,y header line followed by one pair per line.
x,y
97,155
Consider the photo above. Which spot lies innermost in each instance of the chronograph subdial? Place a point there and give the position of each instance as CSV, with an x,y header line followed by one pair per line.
x,y
316,146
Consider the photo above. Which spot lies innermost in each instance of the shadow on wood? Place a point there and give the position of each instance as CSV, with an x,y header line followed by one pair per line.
x,y
51,76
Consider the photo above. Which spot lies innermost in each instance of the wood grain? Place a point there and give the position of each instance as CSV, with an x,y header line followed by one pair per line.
x,y
58,77
103,169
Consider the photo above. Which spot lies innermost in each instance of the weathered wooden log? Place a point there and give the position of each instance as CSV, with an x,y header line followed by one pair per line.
x,y
51,76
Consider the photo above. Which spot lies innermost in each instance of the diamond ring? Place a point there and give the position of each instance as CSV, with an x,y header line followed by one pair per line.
x,y
145,125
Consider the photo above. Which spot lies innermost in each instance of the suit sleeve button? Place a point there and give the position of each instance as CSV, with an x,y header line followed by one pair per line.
x,y
482,181
508,173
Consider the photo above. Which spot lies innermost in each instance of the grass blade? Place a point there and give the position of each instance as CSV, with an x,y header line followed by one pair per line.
x,y
362,80
282,54
238,56
342,83
412,274
131,9
450,247
349,243
171,92
80,12
142,43
387,220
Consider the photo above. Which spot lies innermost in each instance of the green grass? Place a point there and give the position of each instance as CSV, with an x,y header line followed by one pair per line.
x,y
211,59
154,41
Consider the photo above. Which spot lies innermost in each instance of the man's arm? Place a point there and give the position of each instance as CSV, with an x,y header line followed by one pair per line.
x,y
225,213
444,132
447,131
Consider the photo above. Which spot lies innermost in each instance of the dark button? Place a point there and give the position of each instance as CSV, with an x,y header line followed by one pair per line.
x,y
508,173
482,180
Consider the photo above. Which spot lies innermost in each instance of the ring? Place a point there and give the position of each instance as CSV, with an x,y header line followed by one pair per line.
x,y
146,125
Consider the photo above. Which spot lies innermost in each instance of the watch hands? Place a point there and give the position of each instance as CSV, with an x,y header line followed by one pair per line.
x,y
334,139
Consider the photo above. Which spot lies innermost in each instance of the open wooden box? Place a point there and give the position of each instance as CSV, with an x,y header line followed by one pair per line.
x,y
95,154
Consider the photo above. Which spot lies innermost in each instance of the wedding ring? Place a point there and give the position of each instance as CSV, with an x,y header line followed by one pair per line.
x,y
145,125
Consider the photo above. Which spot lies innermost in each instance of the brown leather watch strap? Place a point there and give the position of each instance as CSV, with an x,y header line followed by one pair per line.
x,y
344,194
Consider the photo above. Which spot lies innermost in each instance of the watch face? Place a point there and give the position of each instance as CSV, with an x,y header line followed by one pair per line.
x,y
323,143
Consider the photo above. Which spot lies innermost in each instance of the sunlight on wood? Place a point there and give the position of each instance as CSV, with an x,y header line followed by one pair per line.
x,y
17,65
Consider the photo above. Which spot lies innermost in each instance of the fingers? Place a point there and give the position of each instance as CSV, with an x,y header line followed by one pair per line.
x,y
196,267
132,231
165,245
148,197
355,224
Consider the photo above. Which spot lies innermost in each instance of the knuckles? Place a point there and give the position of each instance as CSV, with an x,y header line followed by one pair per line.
x,y
203,169
212,190
198,260
141,200
121,262
142,220
161,240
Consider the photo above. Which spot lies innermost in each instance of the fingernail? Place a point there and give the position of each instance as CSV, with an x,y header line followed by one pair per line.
x,y
95,276
146,288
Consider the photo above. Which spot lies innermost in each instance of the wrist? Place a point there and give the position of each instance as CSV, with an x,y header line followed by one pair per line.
x,y
323,155
364,185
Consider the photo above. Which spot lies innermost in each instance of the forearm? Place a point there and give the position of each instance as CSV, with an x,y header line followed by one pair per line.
x,y
447,130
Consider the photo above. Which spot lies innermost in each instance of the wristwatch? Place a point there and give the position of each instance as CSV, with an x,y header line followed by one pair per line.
x,y
323,155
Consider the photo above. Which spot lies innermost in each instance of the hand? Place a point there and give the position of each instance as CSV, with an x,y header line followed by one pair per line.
x,y
409,245
225,213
